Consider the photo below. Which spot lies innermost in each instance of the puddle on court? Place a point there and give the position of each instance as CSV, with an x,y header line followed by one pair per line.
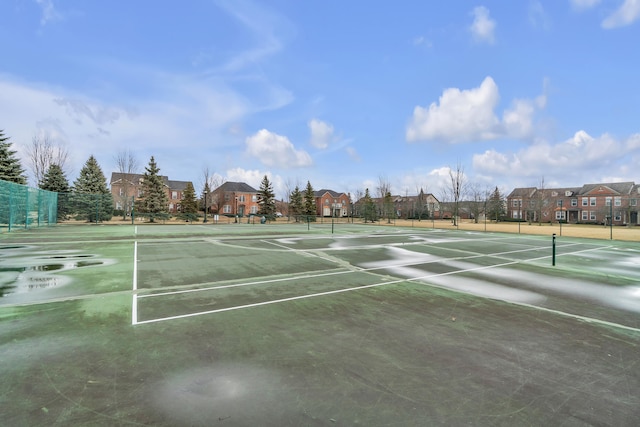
x,y
23,270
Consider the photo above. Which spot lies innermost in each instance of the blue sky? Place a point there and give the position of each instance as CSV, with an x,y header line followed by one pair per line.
x,y
340,93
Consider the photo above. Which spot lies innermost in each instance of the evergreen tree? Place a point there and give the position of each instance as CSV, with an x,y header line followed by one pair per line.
x,y
389,209
496,209
189,204
91,197
295,203
266,198
154,202
309,203
10,167
55,180
369,209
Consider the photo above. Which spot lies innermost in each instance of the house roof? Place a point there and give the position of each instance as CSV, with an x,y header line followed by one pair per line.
x,y
616,187
324,191
239,187
134,178
522,192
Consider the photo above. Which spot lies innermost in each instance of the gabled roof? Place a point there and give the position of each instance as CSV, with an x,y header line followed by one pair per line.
x,y
614,187
522,192
135,179
238,187
324,191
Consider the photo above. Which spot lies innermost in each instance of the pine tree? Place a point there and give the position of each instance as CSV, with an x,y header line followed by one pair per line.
x,y
91,197
309,203
266,198
189,204
295,203
10,167
369,209
496,209
155,201
55,180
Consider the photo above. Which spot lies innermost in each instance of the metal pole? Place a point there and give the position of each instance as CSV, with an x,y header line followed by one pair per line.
x,y
611,221
561,215
553,250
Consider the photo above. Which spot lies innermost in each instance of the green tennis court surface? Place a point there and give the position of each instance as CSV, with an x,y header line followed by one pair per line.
x,y
303,324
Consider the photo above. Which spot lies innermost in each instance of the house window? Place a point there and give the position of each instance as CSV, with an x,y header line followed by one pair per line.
x,y
254,198
617,201
140,192
560,215
516,215
633,202
585,215
118,205
517,203
592,201
254,209
227,197
174,195
226,209
574,202
559,203
607,201
592,215
241,198
121,192
617,216
585,201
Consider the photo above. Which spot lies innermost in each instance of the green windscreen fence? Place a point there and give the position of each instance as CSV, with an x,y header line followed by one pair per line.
x,y
22,206
25,207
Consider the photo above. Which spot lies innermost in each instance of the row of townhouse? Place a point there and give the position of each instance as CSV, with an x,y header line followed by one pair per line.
x,y
239,198
126,187
604,203
423,205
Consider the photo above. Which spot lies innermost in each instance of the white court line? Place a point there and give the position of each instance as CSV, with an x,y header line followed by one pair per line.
x,y
134,302
366,270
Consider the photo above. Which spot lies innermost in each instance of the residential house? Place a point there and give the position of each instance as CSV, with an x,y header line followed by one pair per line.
x,y
234,199
126,187
591,203
330,203
423,205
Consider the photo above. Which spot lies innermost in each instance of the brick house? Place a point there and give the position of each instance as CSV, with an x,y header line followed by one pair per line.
x,y
234,198
423,205
330,203
125,186
591,203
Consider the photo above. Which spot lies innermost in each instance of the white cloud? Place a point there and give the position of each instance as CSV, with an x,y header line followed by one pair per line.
x,y
321,133
626,14
49,12
483,27
276,150
460,115
582,153
583,4
353,154
468,115
538,17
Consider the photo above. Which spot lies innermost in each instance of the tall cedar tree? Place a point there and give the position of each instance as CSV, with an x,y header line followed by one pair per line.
x,y
10,167
266,198
295,203
309,203
189,204
389,210
154,202
55,180
369,207
496,206
91,198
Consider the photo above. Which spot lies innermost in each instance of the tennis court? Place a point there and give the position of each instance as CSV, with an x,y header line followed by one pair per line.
x,y
298,324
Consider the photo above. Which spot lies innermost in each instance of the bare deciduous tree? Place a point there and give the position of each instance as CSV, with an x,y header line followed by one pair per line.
x,y
128,166
457,189
44,152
